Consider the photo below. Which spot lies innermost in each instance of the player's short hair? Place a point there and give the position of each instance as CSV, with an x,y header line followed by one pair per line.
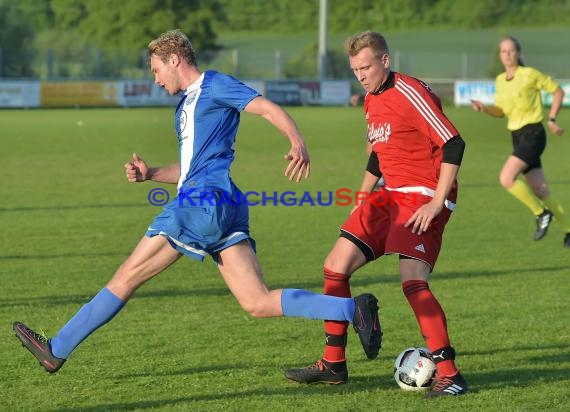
x,y
354,44
173,42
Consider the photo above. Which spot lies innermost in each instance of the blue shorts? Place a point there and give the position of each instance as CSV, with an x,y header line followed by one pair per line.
x,y
197,227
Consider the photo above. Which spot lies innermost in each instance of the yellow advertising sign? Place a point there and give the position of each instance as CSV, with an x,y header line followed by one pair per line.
x,y
62,94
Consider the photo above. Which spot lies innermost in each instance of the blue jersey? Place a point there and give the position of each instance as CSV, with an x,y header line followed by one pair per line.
x,y
206,121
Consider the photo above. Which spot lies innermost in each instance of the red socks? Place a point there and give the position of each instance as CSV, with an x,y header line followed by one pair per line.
x,y
432,322
336,284
428,312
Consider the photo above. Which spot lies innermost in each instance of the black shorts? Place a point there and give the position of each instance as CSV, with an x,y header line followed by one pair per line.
x,y
528,144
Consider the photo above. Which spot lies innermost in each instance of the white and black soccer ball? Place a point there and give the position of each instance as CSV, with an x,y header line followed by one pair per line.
x,y
414,369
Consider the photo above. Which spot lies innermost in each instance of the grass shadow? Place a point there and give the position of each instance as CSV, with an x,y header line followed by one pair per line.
x,y
368,281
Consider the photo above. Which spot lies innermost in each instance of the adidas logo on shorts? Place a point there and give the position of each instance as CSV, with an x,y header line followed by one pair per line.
x,y
420,248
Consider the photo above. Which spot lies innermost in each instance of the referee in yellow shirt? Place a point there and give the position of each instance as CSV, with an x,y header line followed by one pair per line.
x,y
517,96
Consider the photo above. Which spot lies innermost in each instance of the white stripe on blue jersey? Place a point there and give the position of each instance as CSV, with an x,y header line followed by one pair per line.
x,y
206,121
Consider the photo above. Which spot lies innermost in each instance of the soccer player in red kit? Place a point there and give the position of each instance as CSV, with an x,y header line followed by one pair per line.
x,y
417,150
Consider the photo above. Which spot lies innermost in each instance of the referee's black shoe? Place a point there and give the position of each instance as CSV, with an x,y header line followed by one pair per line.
x,y
543,221
567,240
367,324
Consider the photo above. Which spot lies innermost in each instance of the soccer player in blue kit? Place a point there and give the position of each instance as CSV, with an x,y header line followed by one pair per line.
x,y
206,121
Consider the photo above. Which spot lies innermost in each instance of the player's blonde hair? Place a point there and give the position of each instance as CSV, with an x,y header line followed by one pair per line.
x,y
517,45
371,39
173,42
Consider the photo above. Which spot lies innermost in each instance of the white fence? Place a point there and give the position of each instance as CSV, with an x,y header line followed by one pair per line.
x,y
484,90
134,93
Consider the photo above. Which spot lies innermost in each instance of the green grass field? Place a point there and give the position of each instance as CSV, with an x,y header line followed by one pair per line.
x,y
69,219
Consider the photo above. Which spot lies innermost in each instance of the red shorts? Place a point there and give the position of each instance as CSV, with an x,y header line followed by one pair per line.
x,y
378,227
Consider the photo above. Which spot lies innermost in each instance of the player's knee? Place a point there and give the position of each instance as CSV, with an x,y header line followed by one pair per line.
x,y
507,181
248,306
128,278
339,264
330,262
257,309
258,314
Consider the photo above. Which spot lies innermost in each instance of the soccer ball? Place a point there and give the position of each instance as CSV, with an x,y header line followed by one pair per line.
x,y
414,369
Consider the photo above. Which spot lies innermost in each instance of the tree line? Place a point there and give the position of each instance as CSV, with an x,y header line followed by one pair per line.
x,y
115,31
105,36
291,16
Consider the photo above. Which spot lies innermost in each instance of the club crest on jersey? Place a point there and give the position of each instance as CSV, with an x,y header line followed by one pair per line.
x,y
183,119
190,98
381,133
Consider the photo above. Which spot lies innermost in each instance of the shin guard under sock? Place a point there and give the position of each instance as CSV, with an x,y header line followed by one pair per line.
x,y
335,284
431,319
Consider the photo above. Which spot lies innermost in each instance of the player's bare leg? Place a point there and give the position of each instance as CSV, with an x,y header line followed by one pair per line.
x,y
240,269
345,257
150,257
242,273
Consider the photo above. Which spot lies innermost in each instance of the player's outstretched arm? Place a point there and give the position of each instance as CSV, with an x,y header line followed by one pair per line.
x,y
138,171
494,111
298,155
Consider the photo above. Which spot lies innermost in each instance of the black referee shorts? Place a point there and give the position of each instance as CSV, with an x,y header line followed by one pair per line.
x,y
528,144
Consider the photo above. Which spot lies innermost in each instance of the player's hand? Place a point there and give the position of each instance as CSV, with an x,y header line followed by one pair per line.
x,y
358,201
299,163
477,105
554,128
136,170
355,99
422,218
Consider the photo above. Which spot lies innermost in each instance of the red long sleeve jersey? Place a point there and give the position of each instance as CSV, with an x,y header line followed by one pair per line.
x,y
407,130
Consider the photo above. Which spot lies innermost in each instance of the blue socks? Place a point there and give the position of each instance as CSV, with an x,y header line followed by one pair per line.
x,y
105,305
302,303
100,310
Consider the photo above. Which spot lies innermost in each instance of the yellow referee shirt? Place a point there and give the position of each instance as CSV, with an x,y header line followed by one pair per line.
x,y
519,98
